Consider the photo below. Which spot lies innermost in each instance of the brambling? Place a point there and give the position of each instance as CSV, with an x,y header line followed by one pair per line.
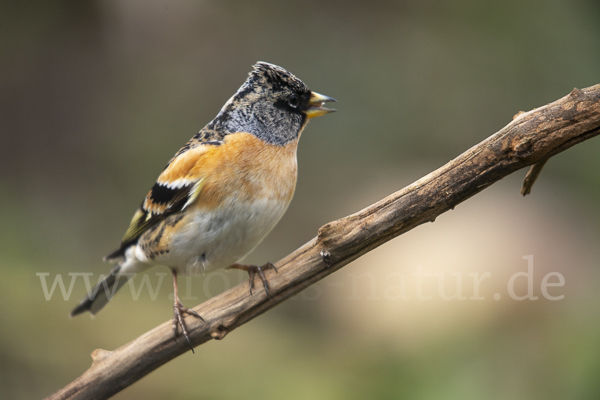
x,y
222,193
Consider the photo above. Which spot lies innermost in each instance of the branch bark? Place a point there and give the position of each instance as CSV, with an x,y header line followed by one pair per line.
x,y
530,139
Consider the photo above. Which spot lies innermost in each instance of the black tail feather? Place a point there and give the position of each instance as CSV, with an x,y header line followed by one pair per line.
x,y
102,293
113,255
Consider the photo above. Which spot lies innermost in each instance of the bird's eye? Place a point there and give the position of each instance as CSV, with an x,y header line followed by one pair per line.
x,y
293,101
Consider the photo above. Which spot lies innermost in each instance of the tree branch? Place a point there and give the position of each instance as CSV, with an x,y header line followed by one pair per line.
x,y
532,176
531,138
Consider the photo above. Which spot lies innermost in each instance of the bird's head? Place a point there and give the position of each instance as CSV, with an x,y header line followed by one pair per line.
x,y
272,104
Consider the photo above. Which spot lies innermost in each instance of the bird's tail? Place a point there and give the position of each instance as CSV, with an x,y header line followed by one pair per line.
x,y
102,293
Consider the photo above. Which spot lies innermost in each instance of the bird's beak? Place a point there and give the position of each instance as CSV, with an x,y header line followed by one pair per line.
x,y
315,105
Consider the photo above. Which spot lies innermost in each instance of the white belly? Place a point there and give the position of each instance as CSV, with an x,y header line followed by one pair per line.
x,y
217,239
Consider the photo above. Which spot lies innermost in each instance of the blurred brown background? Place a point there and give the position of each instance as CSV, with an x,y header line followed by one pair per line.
x,y
96,96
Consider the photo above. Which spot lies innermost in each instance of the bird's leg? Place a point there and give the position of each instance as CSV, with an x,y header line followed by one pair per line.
x,y
254,270
178,310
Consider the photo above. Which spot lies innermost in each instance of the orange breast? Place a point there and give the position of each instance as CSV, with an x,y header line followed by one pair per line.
x,y
247,168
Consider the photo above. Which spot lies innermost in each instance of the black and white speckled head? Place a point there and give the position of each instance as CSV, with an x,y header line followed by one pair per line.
x,y
272,104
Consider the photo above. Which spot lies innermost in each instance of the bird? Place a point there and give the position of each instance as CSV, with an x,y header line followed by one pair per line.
x,y
221,193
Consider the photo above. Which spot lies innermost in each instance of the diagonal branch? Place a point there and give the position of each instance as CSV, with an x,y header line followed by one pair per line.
x,y
531,138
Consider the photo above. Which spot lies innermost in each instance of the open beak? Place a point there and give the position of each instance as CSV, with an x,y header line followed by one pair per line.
x,y
315,105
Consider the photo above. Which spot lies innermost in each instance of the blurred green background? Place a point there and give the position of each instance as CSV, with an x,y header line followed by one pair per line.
x,y
96,96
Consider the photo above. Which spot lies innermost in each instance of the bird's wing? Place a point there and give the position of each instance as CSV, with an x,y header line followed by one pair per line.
x,y
176,188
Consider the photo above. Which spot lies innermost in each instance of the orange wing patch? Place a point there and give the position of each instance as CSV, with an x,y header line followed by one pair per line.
x,y
177,173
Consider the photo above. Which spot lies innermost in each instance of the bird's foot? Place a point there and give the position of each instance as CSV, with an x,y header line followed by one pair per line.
x,y
254,270
178,311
